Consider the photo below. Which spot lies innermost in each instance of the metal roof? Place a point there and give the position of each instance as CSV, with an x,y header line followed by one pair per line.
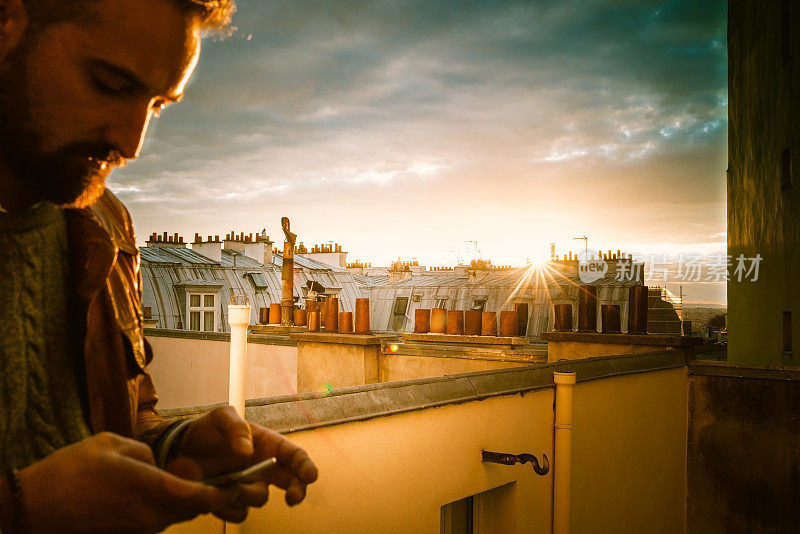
x,y
370,281
157,255
197,282
166,278
431,280
189,256
174,255
489,289
306,263
553,274
240,261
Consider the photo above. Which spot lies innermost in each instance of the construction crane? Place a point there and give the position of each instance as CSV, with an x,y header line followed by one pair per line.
x,y
585,241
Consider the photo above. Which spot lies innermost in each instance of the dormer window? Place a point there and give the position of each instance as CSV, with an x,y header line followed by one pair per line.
x,y
201,312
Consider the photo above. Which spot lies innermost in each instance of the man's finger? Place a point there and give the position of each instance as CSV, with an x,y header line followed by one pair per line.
x,y
289,455
303,467
234,428
279,477
296,492
235,513
253,494
182,499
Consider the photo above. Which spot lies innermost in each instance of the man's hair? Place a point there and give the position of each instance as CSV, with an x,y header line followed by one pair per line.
x,y
213,14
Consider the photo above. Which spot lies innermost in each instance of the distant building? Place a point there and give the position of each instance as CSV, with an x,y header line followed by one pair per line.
x,y
190,288
329,254
480,286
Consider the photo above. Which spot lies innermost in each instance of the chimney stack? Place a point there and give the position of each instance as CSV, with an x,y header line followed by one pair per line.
x,y
165,240
212,249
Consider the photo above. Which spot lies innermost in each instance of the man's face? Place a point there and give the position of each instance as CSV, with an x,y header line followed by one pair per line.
x,y
76,98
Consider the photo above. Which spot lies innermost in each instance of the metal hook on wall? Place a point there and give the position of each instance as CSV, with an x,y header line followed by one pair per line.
x,y
511,459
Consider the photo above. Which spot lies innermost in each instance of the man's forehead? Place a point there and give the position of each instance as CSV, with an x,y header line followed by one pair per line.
x,y
152,40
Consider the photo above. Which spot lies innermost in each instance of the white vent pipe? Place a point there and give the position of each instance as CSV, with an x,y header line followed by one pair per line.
x,y
562,461
239,320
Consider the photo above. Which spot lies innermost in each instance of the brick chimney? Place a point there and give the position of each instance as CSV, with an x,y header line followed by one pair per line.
x,y
165,240
261,249
211,249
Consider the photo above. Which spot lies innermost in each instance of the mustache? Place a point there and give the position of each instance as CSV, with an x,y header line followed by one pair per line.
x,y
99,154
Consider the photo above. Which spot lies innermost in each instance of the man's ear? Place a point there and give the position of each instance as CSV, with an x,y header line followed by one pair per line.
x,y
13,23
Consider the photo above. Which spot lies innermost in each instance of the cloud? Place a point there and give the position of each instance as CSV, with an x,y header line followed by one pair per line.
x,y
333,104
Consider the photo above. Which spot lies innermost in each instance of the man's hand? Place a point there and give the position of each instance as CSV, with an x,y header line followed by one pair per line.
x,y
220,442
107,483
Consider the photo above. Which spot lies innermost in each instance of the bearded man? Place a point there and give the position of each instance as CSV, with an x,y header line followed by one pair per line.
x,y
82,447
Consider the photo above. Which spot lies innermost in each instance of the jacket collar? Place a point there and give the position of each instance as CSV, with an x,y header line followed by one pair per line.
x,y
96,235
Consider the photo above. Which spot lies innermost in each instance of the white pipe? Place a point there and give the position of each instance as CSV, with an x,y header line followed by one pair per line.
x,y
239,320
562,454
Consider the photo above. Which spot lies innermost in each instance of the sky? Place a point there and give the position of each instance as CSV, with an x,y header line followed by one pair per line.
x,y
407,129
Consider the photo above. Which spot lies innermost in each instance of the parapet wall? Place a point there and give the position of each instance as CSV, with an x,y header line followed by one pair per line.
x,y
392,454
744,449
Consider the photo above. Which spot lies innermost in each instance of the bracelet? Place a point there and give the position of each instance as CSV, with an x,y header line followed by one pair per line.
x,y
167,447
17,502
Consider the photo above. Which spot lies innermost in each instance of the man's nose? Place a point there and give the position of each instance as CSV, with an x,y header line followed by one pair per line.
x,y
127,129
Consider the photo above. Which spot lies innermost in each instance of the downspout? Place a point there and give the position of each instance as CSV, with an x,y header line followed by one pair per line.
x,y
562,461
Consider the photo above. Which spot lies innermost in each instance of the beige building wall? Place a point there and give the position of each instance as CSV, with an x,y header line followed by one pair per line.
x,y
194,372
335,365
327,364
763,120
629,454
392,474
395,367
567,350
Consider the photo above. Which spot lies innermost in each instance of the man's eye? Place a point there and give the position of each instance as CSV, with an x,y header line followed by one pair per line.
x,y
109,87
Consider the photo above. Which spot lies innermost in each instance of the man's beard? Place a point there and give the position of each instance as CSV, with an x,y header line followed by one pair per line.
x,y
72,176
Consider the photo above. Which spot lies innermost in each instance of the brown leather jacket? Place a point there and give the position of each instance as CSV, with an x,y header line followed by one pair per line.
x,y
107,281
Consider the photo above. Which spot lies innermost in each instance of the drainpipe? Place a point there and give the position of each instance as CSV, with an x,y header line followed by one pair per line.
x,y
562,461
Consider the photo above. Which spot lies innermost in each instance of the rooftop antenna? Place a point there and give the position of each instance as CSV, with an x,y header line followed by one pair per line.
x,y
585,242
472,251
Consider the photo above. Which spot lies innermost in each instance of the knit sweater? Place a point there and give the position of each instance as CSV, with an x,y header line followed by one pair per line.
x,y
42,390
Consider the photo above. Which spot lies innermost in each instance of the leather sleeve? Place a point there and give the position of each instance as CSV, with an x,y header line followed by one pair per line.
x,y
124,283
149,424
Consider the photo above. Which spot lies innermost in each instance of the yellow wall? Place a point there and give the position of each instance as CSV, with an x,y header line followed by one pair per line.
x,y
194,372
392,474
629,454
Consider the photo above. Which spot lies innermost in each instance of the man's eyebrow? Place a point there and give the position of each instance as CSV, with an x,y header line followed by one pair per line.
x,y
135,83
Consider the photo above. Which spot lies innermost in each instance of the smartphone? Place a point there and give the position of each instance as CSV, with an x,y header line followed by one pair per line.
x,y
244,475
